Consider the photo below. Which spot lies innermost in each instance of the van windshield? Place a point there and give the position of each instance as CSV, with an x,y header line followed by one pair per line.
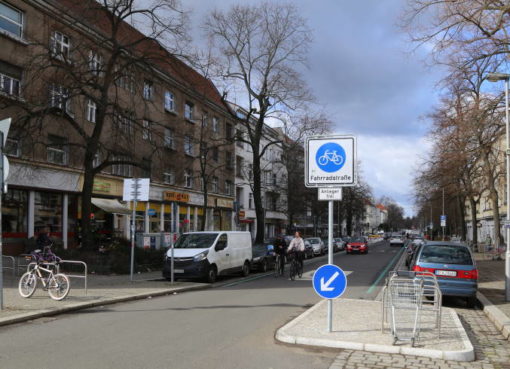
x,y
442,254
196,241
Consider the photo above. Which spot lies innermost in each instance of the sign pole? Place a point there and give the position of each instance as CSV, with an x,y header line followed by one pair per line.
x,y
330,260
133,228
172,252
1,230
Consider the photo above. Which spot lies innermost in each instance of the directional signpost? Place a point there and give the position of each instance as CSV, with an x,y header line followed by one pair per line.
x,y
4,169
330,164
136,189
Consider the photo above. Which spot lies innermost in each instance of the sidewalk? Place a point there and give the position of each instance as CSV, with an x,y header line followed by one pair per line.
x,y
102,290
491,287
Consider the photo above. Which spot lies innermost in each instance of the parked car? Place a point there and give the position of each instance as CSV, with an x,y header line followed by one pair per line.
x,y
263,256
308,249
339,244
317,245
358,244
452,264
209,254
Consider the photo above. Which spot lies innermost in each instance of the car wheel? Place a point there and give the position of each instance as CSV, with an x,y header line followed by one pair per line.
x,y
212,274
263,266
246,269
471,301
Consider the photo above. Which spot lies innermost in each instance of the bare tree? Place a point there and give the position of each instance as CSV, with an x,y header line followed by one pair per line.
x,y
260,49
94,84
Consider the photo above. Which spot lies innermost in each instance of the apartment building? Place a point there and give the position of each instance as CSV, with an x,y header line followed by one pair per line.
x,y
274,181
158,116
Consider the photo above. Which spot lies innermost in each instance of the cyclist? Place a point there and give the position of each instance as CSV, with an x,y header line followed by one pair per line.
x,y
297,245
279,249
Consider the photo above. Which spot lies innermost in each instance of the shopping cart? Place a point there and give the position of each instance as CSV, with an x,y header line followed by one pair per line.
x,y
405,297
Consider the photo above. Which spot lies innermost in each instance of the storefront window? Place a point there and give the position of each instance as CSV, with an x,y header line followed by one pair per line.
x,y
48,212
14,212
73,233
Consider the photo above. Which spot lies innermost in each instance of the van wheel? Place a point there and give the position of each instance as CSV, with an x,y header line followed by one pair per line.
x,y
212,274
246,269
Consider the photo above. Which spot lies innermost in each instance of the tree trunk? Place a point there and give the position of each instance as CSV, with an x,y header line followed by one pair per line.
x,y
204,210
87,238
462,210
257,193
474,221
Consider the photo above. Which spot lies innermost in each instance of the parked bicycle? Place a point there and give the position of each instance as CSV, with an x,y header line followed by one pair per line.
x,y
295,267
57,284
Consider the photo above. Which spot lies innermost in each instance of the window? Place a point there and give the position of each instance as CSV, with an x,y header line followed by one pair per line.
x,y
169,177
95,62
169,139
59,98
229,131
9,85
148,90
268,177
250,172
214,185
250,201
12,147
57,150
11,20
188,179
205,120
229,159
239,138
228,187
125,80
146,129
275,179
239,166
125,123
215,154
91,111
60,45
169,101
188,111
215,125
124,170
188,145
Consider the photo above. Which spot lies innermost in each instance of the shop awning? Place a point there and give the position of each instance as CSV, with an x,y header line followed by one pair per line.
x,y
111,206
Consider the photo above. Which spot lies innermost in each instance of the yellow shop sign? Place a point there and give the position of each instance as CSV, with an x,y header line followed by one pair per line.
x,y
175,196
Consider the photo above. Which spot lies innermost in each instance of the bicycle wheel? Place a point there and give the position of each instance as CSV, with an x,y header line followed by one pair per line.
x,y
27,284
292,271
59,287
299,270
277,266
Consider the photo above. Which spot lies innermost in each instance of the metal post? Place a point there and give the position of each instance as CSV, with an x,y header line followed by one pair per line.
x,y
507,254
133,229
1,230
172,252
330,260
444,227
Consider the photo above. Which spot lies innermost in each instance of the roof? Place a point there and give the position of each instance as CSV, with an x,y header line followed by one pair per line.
x,y
92,14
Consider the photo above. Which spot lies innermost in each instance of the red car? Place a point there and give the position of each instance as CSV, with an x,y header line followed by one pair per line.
x,y
358,244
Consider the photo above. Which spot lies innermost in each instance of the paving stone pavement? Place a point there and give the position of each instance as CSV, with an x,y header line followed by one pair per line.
x,y
491,348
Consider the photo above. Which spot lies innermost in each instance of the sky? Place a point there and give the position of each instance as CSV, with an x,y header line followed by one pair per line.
x,y
371,82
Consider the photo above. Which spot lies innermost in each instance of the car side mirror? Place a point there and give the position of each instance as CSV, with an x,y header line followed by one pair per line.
x,y
221,245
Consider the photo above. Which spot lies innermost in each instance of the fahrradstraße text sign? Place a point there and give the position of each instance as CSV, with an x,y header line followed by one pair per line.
x,y
330,161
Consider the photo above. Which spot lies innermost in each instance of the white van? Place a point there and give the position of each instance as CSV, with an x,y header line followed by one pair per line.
x,y
209,254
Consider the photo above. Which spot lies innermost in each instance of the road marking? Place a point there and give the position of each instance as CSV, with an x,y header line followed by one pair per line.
x,y
385,271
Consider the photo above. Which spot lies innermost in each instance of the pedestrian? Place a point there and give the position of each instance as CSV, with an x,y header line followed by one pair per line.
x,y
297,245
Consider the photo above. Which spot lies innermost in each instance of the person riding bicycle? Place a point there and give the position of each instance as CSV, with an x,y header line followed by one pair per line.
x,y
297,245
279,249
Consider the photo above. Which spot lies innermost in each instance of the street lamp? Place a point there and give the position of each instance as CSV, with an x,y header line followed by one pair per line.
x,y
495,77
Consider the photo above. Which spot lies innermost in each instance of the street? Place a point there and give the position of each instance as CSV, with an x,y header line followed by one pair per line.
x,y
229,326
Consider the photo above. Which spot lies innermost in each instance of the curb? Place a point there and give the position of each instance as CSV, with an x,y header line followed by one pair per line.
x,y
87,305
467,354
495,315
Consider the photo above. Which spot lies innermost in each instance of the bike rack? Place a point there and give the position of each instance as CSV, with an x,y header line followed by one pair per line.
x,y
57,266
13,263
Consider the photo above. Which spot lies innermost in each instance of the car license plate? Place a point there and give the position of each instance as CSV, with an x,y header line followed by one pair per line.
x,y
448,273
178,270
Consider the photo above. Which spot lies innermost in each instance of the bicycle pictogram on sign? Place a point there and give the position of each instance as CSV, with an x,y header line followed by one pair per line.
x,y
330,157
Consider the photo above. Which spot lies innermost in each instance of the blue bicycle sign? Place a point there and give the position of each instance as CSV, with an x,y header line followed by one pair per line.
x,y
330,157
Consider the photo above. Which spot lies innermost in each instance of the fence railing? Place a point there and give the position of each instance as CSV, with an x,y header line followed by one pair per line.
x,y
63,262
12,264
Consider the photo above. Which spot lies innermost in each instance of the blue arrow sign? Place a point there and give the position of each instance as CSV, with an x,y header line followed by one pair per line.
x,y
329,281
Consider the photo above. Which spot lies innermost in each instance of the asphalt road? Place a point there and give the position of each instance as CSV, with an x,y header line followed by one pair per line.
x,y
229,326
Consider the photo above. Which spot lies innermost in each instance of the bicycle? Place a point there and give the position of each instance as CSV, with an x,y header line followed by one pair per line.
x,y
278,267
295,267
57,285
331,156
